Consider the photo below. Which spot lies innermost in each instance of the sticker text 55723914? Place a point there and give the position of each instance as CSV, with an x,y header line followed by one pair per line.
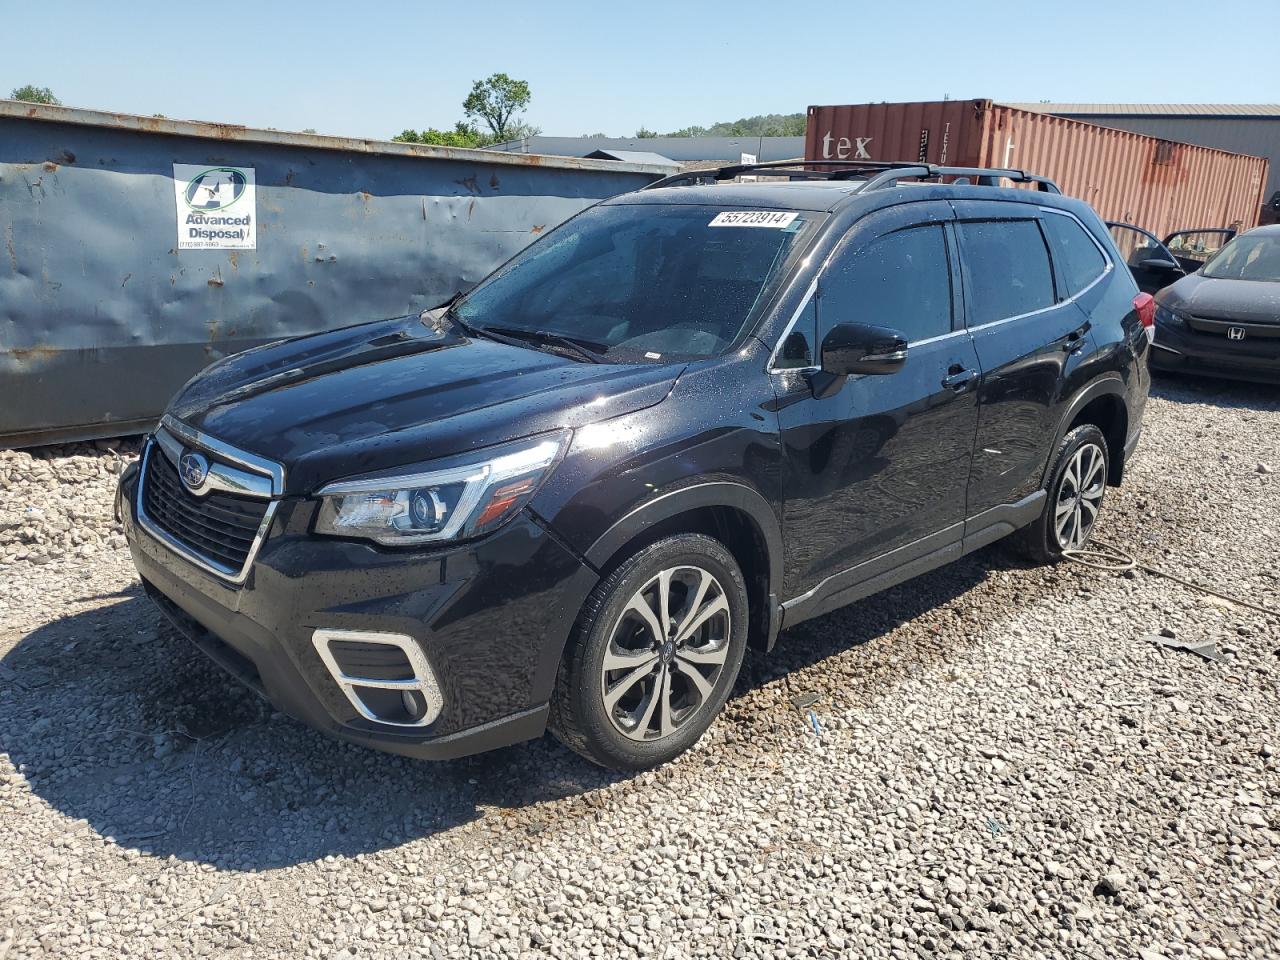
x,y
776,219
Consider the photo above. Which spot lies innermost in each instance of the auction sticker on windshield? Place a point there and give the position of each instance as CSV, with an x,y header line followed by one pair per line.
x,y
753,218
217,207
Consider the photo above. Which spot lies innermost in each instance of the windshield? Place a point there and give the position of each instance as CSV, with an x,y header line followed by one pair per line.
x,y
1247,257
643,282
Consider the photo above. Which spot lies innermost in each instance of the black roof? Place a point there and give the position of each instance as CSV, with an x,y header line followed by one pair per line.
x,y
804,195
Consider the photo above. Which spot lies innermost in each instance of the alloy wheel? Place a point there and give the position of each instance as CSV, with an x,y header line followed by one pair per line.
x,y
1079,496
665,653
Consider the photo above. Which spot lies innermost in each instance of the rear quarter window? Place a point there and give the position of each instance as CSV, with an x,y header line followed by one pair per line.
x,y
1077,258
1007,272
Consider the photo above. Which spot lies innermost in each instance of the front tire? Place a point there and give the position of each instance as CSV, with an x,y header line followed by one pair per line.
x,y
1077,486
654,655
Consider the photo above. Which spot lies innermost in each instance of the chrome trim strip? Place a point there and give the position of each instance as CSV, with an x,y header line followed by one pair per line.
x,y
220,476
962,332
1160,346
273,471
424,678
249,461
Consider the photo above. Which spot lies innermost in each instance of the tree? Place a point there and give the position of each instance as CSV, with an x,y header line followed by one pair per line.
x,y
518,131
32,94
644,133
496,101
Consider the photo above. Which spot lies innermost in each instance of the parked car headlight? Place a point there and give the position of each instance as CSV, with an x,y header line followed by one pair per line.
x,y
454,502
1168,318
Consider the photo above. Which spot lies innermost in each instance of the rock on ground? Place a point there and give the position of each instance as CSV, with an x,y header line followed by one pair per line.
x,y
1005,767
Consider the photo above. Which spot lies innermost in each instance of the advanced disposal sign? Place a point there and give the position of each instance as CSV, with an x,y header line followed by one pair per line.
x,y
217,207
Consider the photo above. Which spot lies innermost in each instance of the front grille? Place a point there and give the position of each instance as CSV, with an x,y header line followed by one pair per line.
x,y
218,527
1253,330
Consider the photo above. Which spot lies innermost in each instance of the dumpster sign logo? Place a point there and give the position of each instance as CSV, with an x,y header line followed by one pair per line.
x,y
217,207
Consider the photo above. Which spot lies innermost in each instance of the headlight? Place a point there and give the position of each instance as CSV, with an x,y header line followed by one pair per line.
x,y
446,504
1168,318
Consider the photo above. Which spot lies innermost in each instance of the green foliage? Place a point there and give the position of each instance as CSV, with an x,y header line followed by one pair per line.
x,y
33,94
462,135
644,133
763,125
496,100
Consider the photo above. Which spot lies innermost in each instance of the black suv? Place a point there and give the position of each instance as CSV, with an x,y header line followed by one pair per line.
x,y
688,417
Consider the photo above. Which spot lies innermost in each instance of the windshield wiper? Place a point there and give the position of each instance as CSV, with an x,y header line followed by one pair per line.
x,y
584,349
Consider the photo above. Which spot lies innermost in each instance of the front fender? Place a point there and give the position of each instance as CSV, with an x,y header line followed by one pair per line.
x,y
736,496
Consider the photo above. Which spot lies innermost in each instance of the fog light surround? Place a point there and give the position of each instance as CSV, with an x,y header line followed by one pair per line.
x,y
415,701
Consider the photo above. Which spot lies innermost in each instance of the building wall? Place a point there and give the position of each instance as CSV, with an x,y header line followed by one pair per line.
x,y
682,149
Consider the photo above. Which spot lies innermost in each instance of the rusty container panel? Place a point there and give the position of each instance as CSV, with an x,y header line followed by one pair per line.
x,y
1158,184
1161,185
103,316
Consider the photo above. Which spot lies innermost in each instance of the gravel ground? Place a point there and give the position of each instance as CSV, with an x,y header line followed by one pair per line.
x,y
1000,764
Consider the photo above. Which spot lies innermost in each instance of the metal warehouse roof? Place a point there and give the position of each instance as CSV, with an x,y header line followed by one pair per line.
x,y
631,156
1261,110
680,149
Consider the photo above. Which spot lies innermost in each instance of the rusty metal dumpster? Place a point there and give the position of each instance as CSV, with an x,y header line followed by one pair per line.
x,y
136,250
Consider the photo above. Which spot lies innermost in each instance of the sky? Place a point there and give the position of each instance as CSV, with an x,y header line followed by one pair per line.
x,y
373,69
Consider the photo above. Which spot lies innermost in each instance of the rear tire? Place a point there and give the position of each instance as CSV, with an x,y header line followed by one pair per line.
x,y
1077,486
653,655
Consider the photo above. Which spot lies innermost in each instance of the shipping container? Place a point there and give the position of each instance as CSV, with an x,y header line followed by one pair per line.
x,y
1161,185
136,250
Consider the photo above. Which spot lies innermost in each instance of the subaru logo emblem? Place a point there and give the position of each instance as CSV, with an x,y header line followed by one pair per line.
x,y
194,468
1235,333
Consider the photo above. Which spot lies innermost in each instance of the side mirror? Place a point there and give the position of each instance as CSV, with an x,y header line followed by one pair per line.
x,y
1159,263
861,348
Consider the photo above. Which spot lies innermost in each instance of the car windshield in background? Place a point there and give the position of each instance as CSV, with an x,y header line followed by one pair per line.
x,y
642,282
1247,258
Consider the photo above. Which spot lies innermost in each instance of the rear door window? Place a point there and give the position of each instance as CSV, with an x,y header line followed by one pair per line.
x,y
1077,258
901,280
1007,272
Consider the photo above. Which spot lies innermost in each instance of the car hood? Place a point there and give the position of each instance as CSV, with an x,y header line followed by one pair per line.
x,y
397,392
1252,301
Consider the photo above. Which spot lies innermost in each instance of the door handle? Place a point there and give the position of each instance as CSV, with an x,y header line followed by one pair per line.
x,y
958,378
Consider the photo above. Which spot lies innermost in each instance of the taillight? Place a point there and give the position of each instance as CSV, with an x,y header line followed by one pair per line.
x,y
1145,304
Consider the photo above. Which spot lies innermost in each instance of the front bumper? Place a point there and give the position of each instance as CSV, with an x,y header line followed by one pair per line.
x,y
491,617
1185,351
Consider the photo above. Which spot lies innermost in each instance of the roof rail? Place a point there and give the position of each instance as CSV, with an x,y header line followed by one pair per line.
x,y
877,174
